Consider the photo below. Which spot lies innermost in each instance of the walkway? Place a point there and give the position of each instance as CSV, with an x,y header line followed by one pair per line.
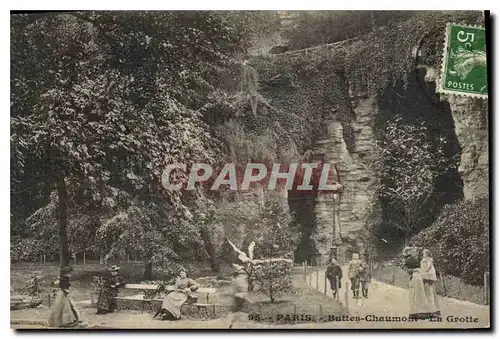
x,y
388,300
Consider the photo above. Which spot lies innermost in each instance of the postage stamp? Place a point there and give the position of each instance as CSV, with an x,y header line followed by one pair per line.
x,y
464,69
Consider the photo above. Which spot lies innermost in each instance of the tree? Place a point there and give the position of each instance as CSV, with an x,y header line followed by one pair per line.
x,y
162,237
276,236
274,277
409,163
101,101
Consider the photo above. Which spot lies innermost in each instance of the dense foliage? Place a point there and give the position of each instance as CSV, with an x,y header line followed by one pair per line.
x,y
409,164
273,277
459,240
268,223
101,101
320,27
392,53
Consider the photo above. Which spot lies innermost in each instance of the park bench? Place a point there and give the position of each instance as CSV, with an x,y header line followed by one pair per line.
x,y
204,294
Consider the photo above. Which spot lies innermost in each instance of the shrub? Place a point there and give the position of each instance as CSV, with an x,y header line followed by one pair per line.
x,y
459,240
274,276
34,286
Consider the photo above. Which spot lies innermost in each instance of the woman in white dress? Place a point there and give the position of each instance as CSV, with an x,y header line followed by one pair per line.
x,y
422,292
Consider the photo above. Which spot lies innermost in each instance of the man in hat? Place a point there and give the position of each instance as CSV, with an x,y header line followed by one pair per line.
x,y
107,302
334,276
63,313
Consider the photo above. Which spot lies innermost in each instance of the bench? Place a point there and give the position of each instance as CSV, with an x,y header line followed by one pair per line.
x,y
204,293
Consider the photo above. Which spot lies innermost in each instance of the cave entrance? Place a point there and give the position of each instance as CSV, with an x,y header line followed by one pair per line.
x,y
302,208
417,101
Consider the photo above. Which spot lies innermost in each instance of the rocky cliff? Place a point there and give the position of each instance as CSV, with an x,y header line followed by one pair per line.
x,y
471,127
470,117
344,95
360,180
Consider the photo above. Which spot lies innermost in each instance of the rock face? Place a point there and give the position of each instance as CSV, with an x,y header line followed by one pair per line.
x,y
471,127
470,116
360,181
357,178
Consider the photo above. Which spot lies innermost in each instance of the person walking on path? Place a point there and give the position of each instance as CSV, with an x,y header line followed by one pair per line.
x,y
239,287
334,275
365,277
107,302
353,273
64,313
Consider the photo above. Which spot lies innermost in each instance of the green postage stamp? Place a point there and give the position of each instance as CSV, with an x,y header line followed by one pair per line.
x,y
464,62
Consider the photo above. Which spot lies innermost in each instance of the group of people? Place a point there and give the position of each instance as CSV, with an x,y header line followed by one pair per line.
x,y
422,294
65,314
359,274
176,295
182,291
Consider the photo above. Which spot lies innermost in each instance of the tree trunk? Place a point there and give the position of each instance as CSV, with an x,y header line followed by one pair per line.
x,y
62,220
209,247
372,20
250,284
148,270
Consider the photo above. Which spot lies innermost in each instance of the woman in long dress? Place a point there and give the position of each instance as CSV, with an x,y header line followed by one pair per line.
x,y
422,297
428,273
182,292
64,313
107,302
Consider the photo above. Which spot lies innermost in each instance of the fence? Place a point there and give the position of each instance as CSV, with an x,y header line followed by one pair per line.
x,y
448,286
315,277
77,259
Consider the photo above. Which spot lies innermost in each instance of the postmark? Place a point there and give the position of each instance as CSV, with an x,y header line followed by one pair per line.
x,y
464,69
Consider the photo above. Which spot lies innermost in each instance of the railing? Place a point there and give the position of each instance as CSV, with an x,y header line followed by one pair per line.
x,y
313,278
78,259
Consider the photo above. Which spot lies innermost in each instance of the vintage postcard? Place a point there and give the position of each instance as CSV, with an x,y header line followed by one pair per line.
x,y
250,169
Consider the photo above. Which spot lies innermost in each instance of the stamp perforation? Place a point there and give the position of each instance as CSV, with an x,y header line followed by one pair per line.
x,y
444,60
